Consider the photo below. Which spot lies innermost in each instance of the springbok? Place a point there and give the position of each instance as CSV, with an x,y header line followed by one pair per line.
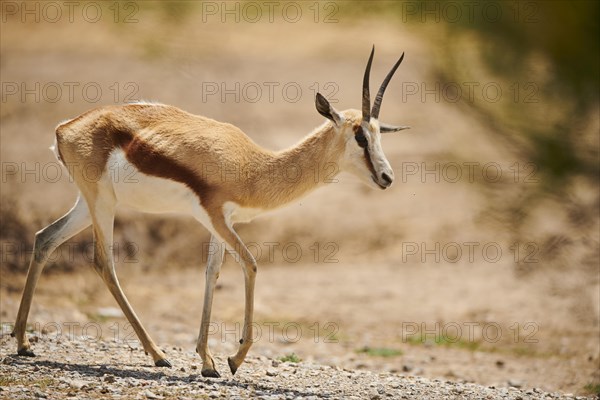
x,y
173,154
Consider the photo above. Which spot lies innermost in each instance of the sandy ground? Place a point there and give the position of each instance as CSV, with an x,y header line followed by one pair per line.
x,y
340,315
56,374
429,273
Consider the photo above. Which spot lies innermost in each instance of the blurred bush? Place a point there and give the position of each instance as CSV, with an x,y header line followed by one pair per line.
x,y
551,43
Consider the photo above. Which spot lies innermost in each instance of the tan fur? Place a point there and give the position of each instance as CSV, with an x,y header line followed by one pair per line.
x,y
230,165
215,160
225,170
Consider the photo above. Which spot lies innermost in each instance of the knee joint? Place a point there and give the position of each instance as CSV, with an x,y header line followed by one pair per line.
x,y
42,245
253,268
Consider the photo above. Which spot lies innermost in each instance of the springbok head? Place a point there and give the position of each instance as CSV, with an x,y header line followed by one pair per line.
x,y
363,155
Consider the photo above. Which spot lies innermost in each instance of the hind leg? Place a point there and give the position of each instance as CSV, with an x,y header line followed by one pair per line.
x,y
102,208
46,241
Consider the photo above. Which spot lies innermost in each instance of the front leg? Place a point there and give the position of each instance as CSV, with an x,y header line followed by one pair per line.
x,y
213,267
248,264
246,340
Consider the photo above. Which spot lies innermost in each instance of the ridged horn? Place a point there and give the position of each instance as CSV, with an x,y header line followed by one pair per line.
x,y
379,97
366,97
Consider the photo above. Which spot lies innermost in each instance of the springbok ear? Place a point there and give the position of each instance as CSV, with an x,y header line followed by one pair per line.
x,y
383,128
326,110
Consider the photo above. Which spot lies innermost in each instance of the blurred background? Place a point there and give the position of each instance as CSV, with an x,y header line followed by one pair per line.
x,y
481,263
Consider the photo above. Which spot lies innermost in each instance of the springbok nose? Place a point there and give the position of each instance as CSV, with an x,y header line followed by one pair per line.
x,y
386,179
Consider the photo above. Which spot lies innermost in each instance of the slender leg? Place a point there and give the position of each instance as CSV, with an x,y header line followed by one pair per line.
x,y
103,220
248,264
246,341
46,241
213,267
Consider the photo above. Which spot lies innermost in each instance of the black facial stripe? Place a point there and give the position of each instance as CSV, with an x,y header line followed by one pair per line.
x,y
368,161
360,139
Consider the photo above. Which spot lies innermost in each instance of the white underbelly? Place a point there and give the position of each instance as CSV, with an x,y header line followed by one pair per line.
x,y
235,213
148,193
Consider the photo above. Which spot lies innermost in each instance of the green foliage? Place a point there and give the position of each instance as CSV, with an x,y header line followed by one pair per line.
x,y
592,388
508,35
563,35
177,11
292,357
380,351
556,156
170,12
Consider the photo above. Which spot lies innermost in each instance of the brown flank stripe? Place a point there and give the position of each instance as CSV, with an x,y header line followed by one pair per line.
x,y
151,162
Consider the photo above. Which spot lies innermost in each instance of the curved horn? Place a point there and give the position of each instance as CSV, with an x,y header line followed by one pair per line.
x,y
366,98
379,97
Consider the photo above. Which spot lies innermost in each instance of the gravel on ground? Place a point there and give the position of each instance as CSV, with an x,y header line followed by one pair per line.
x,y
83,369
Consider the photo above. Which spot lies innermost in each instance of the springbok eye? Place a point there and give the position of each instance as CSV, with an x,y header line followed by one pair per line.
x,y
361,139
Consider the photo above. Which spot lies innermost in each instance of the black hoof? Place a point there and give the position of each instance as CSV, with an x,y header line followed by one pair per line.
x,y
25,352
232,366
163,362
210,373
